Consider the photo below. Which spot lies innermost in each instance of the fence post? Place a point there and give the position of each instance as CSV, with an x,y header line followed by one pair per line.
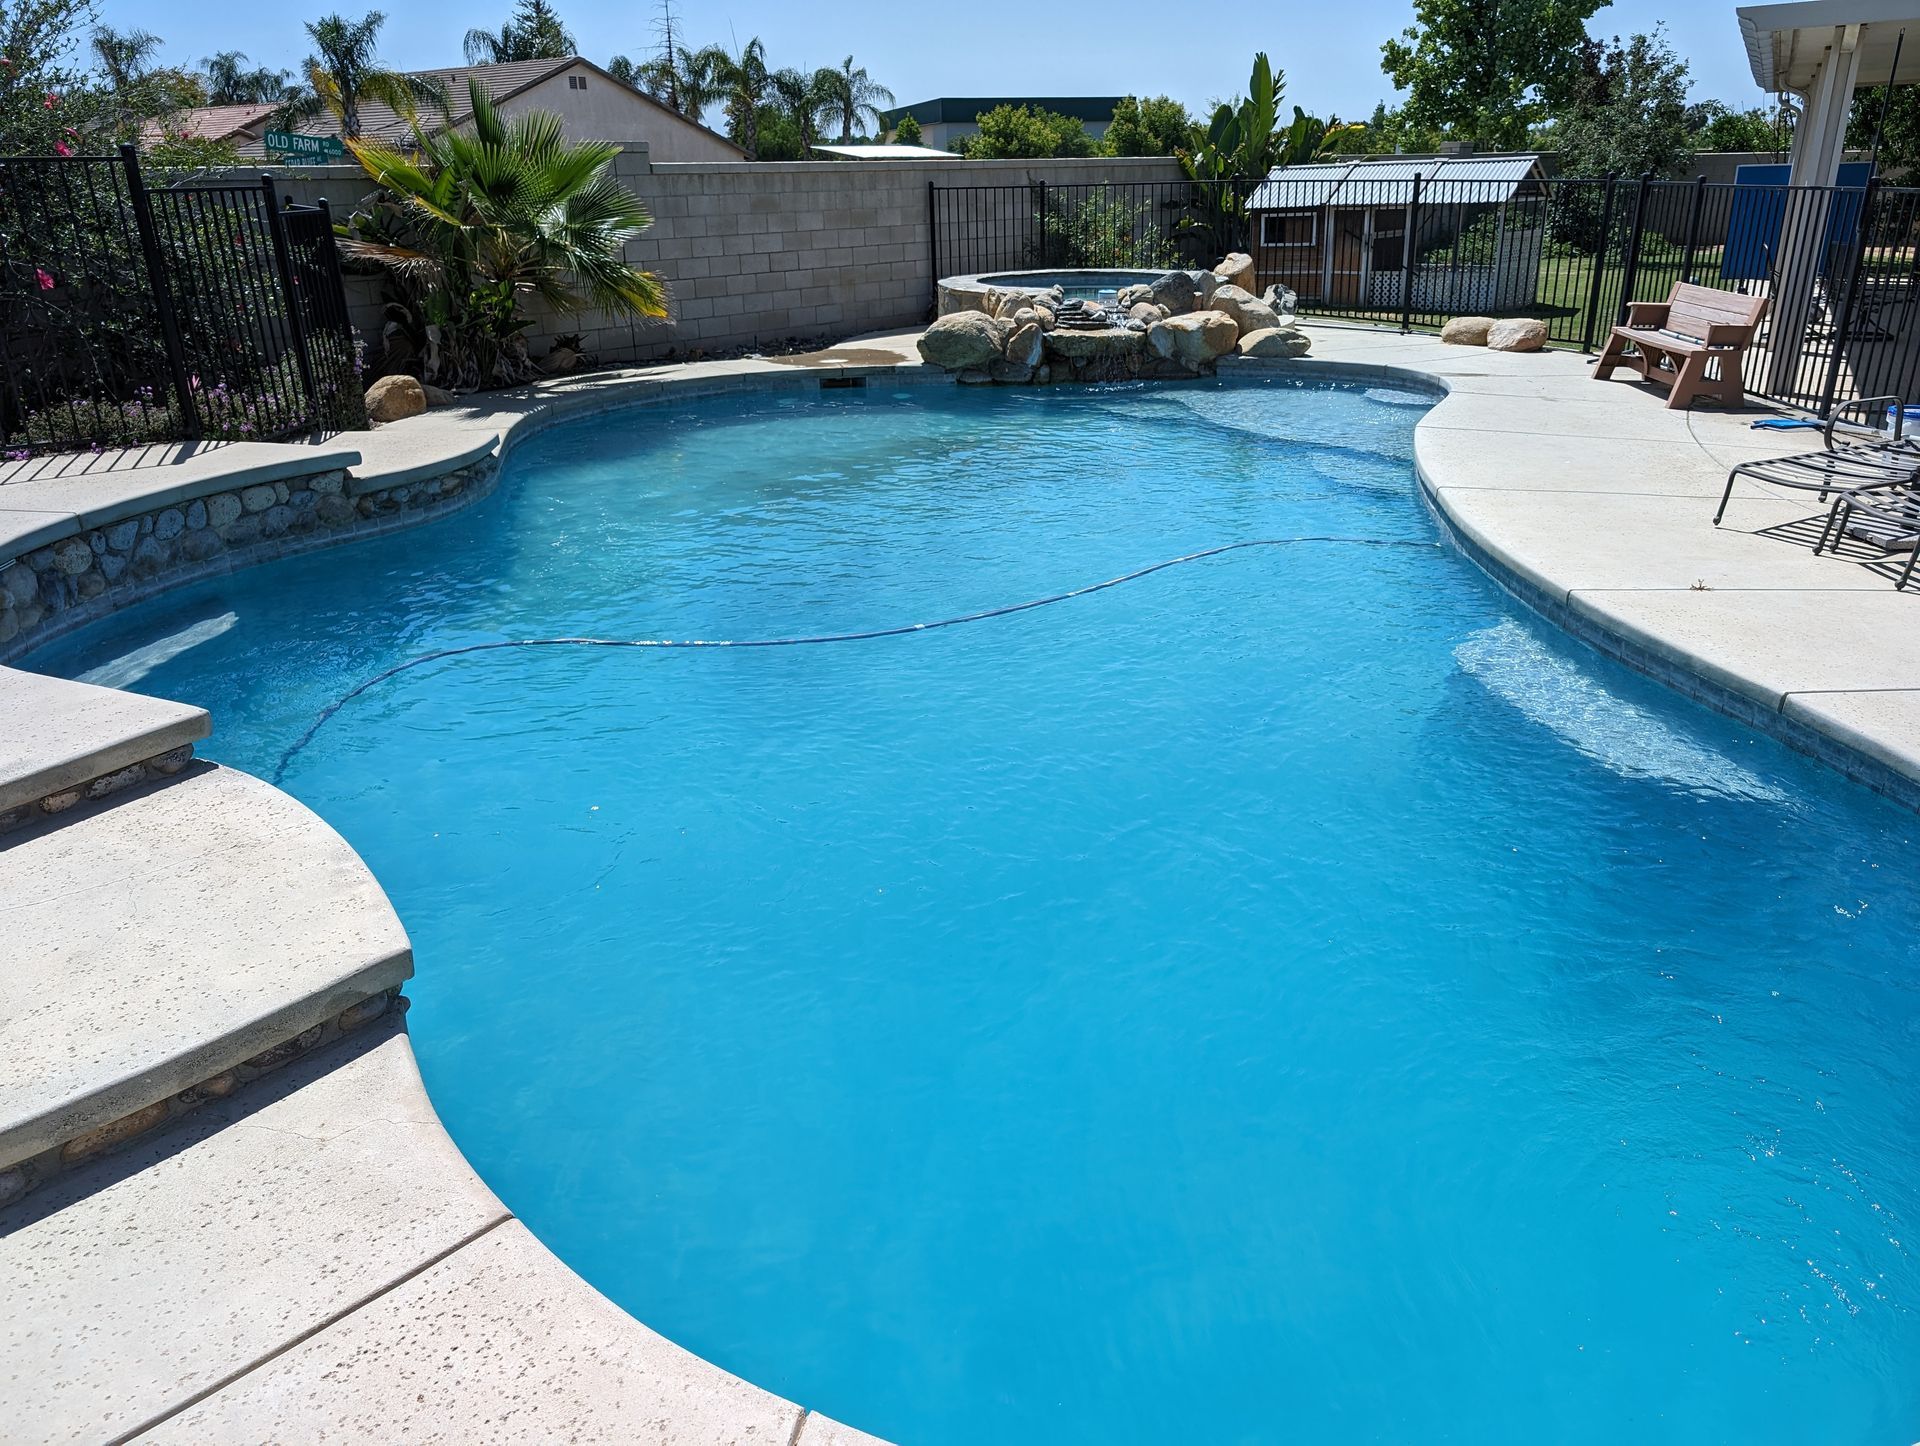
x,y
1693,227
289,289
1632,268
1599,268
933,247
1406,258
1854,267
162,294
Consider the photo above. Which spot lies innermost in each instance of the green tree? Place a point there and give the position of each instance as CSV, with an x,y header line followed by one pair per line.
x,y
1717,126
907,133
853,99
745,86
38,83
1022,133
533,32
231,82
345,71
800,99
1487,70
778,136
1900,140
1626,109
480,224
1157,126
1388,132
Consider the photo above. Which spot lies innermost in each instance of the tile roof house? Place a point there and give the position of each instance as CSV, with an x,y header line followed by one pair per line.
x,y
593,104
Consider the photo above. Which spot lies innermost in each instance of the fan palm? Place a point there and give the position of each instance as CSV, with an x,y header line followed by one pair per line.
x,y
478,224
229,82
345,71
854,99
744,82
804,98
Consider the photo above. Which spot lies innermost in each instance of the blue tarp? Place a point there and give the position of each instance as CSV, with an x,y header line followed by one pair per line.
x,y
1759,210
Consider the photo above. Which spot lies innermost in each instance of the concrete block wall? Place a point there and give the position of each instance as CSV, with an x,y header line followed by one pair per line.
x,y
755,254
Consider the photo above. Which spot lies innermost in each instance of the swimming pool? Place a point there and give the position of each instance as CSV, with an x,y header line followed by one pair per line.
x,y
1087,283
1291,995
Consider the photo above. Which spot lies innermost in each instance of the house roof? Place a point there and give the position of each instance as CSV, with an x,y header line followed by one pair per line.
x,y
502,82
1388,181
964,110
210,123
888,153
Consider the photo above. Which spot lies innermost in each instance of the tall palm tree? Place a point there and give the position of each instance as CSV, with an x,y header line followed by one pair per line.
x,y
230,82
803,98
124,56
686,82
488,220
854,99
345,70
745,82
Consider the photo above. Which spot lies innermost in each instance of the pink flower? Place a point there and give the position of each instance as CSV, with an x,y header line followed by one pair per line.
x,y
61,148
52,100
46,281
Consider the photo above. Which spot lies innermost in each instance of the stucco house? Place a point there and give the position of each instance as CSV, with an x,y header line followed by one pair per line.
x,y
594,105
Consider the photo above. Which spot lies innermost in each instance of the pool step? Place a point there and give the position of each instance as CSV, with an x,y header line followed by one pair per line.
x,y
166,946
64,745
313,1257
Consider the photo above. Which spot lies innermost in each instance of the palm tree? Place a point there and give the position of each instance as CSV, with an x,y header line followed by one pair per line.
x,y
488,220
744,81
533,33
124,55
229,82
345,70
853,99
803,98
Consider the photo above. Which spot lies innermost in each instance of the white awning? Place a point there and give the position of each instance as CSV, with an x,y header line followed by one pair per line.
x,y
888,153
1787,43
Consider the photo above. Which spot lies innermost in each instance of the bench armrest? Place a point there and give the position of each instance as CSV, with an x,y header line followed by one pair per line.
x,y
1878,403
1723,333
1647,313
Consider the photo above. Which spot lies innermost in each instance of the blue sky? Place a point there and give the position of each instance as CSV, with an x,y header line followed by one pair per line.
x,y
1330,49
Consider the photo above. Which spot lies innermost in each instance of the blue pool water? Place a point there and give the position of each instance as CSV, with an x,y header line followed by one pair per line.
x,y
1086,284
1294,996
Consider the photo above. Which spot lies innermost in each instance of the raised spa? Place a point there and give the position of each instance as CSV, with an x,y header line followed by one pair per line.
x,y
1289,995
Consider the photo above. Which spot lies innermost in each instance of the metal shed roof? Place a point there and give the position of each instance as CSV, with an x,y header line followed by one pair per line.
x,y
1388,181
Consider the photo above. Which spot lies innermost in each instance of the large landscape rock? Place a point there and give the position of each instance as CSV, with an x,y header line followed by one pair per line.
x,y
392,399
963,339
1195,340
1174,291
1520,333
1467,331
1237,270
1024,347
1205,283
1282,299
1249,313
1276,342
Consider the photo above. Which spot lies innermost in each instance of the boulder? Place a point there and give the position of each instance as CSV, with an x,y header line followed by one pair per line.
x,y
1276,342
1205,283
392,399
1003,370
1520,333
1237,270
1249,313
1194,340
962,339
1144,311
1281,299
1131,296
1174,291
1045,313
1025,346
1013,303
1467,331
439,396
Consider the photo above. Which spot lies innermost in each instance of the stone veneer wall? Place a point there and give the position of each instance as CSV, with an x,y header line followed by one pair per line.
x,y
65,584
757,253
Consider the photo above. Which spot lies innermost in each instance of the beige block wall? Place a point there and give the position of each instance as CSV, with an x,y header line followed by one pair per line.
x,y
758,254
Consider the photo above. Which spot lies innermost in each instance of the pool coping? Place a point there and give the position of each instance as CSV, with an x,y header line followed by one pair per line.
x,y
1884,758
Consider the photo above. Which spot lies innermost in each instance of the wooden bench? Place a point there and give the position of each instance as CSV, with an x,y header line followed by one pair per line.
x,y
1675,340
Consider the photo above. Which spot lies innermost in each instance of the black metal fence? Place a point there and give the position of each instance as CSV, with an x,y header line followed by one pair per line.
x,y
132,314
1840,265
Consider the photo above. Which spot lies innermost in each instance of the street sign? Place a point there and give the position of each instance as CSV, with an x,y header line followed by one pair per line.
x,y
299,150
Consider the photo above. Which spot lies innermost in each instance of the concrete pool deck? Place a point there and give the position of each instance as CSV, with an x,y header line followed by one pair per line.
x,y
227,1209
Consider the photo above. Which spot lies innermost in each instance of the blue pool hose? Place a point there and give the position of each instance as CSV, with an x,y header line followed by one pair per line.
x,y
320,719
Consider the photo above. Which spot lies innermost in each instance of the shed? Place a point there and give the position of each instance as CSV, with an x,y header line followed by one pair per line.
x,y
1336,231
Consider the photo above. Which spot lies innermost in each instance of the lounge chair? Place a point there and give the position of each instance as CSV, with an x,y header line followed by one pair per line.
x,y
1867,459
1888,516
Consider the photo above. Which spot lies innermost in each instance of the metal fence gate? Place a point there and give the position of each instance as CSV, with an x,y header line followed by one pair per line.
x,y
131,314
1840,265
